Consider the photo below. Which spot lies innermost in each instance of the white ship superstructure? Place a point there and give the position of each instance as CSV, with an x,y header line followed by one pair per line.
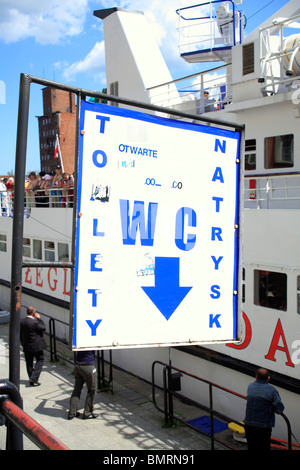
x,y
256,84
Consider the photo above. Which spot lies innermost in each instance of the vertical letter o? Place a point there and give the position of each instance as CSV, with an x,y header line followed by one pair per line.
x,y
95,158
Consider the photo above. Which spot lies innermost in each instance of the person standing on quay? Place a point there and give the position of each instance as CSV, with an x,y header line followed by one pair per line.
x,y
32,338
85,373
263,401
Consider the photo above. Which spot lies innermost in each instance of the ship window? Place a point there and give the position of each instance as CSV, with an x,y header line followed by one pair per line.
x,y
279,151
3,242
49,251
26,247
243,285
37,249
63,251
250,154
270,289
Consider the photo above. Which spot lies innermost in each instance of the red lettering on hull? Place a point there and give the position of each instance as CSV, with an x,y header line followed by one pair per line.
x,y
274,346
248,335
52,283
65,282
48,279
27,274
279,333
39,281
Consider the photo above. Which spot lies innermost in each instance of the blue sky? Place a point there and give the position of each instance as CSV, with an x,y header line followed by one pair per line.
x,y
63,41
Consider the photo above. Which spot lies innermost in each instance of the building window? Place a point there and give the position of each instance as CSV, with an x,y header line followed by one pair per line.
x,y
250,154
279,151
3,242
270,289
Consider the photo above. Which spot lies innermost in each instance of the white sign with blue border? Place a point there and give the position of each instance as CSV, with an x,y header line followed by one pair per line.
x,y
157,235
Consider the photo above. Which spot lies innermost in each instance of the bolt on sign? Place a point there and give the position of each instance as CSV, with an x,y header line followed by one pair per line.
x,y
157,233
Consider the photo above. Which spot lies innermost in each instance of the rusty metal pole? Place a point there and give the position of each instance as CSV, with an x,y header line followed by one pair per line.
x,y
15,434
18,222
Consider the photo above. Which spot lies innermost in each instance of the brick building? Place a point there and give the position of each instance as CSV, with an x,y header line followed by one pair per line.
x,y
59,119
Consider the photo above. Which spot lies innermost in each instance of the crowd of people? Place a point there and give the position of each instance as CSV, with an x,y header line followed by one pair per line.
x,y
55,189
6,196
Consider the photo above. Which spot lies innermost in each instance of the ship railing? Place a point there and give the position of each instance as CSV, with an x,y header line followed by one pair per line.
x,y
272,83
6,203
201,29
272,191
277,62
172,382
261,191
197,93
54,197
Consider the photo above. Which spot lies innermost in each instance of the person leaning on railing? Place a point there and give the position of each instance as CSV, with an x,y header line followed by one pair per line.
x,y
3,198
49,190
263,401
46,183
31,187
9,183
57,183
67,191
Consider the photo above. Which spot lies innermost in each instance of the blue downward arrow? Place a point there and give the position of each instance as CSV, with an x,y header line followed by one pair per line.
x,y
166,294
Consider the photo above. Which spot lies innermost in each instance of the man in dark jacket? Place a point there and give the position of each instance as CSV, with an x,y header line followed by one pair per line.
x,y
32,339
263,401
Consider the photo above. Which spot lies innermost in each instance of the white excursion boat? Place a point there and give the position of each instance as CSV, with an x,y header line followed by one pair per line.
x,y
256,85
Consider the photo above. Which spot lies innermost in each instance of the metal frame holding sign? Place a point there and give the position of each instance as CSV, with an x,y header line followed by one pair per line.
x,y
178,210
157,233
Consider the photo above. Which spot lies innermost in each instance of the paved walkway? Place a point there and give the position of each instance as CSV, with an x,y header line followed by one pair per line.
x,y
127,420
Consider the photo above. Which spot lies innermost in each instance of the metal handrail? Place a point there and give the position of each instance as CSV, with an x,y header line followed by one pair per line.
x,y
52,197
272,187
272,77
259,194
189,92
21,423
169,393
207,16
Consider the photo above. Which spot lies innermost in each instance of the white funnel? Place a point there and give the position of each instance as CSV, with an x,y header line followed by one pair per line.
x,y
133,59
